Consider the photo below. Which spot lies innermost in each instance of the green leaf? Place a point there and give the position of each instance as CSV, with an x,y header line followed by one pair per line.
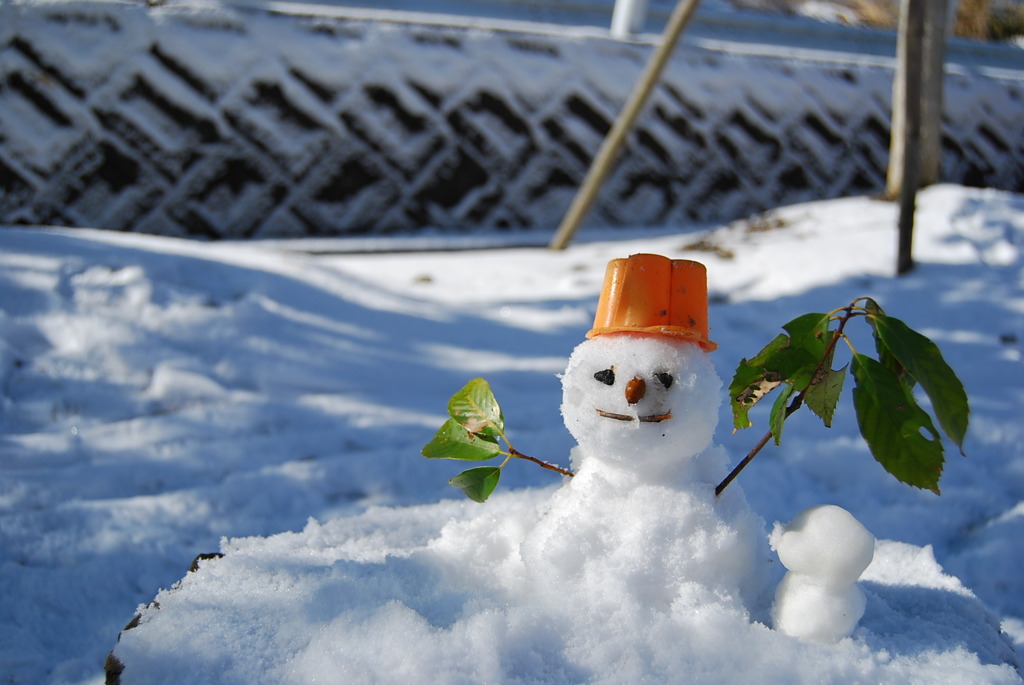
x,y
808,338
885,355
823,394
894,426
778,414
752,381
475,409
788,359
478,483
922,359
872,307
452,441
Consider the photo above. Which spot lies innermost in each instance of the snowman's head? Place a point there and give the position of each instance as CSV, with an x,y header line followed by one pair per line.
x,y
827,543
640,400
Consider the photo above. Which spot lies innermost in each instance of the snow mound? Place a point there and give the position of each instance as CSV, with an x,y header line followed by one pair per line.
x,y
440,593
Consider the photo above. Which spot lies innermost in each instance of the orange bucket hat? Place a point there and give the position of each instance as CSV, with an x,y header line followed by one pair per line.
x,y
649,293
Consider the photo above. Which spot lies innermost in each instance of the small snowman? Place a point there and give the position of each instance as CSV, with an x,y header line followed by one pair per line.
x,y
640,522
826,550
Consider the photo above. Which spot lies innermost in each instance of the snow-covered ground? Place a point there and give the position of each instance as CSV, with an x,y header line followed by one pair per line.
x,y
159,395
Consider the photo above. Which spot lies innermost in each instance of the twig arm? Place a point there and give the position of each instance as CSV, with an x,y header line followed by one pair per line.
x,y
551,467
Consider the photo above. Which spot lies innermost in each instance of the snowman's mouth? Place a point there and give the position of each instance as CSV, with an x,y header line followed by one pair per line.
x,y
650,418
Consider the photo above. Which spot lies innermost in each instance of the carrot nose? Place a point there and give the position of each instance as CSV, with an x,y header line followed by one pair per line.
x,y
635,390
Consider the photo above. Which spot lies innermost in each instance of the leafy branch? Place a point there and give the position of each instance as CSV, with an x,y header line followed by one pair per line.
x,y
472,433
900,434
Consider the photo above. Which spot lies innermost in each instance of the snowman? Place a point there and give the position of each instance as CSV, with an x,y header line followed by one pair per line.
x,y
639,525
826,550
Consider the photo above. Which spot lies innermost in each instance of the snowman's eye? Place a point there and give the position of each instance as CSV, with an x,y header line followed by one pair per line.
x,y
665,379
607,376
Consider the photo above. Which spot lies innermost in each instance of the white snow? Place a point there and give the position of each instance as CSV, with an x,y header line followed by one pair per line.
x,y
163,398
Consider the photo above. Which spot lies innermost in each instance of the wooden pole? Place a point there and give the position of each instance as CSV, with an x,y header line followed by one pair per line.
x,y
936,31
911,59
930,40
602,163
628,18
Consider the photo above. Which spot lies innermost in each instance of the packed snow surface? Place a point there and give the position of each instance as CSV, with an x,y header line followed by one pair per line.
x,y
163,399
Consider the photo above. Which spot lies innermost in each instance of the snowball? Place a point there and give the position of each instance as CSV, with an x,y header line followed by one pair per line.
x,y
826,550
649,402
826,543
814,612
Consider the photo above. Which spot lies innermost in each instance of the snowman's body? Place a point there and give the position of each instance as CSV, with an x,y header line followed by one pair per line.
x,y
641,508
